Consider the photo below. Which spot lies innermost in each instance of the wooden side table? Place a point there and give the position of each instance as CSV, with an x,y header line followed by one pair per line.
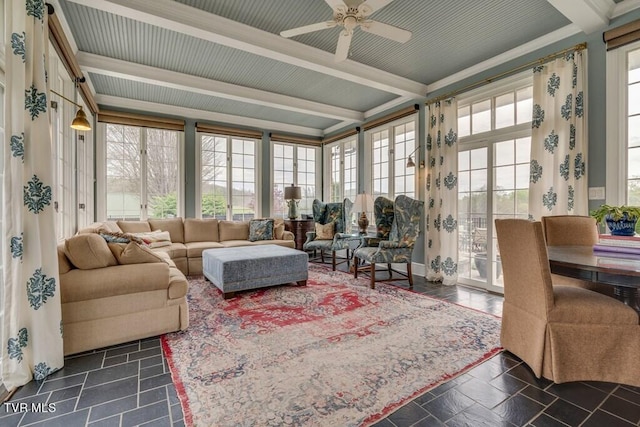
x,y
299,228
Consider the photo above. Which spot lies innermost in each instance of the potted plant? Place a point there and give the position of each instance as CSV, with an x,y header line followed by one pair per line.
x,y
621,220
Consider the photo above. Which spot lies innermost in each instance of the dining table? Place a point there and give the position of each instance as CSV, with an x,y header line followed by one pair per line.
x,y
619,270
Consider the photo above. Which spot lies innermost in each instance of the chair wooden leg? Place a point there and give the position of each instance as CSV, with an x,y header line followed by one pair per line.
x,y
355,270
410,276
372,268
389,270
333,260
322,255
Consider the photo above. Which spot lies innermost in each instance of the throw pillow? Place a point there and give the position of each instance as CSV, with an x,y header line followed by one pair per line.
x,y
325,231
260,229
133,253
116,237
88,251
155,239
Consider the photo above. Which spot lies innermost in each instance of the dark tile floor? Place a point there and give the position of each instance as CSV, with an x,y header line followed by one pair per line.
x,y
130,385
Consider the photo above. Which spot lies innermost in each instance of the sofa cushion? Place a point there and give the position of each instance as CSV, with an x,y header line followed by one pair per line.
x,y
174,226
233,230
96,227
63,262
155,239
278,228
194,249
88,251
201,230
260,229
175,250
134,226
133,253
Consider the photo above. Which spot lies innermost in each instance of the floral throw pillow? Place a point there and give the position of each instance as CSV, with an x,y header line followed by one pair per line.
x,y
325,231
260,229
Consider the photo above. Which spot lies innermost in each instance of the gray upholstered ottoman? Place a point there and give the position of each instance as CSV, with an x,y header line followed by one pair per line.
x,y
252,267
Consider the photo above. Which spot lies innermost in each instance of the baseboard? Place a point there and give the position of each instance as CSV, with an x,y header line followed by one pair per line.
x,y
418,269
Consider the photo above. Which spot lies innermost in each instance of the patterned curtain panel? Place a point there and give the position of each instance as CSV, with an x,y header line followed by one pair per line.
x,y
558,180
442,192
31,314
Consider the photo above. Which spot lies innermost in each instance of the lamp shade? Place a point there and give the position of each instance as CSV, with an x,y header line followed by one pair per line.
x,y
81,122
363,203
292,193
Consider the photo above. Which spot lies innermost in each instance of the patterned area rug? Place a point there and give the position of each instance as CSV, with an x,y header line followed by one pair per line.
x,y
332,353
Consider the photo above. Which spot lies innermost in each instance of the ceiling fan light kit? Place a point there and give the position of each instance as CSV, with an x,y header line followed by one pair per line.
x,y
349,17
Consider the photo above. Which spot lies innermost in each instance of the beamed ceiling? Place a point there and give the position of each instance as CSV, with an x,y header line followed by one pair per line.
x,y
224,60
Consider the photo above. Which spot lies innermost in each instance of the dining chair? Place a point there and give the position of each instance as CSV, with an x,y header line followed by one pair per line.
x,y
573,230
563,333
398,248
335,220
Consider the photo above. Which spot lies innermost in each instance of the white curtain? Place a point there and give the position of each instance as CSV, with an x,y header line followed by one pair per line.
x,y
31,315
558,177
442,192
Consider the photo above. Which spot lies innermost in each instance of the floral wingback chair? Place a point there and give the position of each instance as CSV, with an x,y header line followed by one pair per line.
x,y
402,237
332,229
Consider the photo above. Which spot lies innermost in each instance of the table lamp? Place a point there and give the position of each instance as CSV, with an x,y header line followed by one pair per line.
x,y
363,204
293,195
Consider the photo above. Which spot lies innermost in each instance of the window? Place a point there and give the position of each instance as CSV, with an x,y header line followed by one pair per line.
x,y
294,164
143,172
390,147
633,126
493,173
228,177
342,158
623,125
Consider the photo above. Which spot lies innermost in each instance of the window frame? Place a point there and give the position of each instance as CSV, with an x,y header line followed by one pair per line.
x,y
616,124
368,156
101,171
329,172
229,173
296,177
489,140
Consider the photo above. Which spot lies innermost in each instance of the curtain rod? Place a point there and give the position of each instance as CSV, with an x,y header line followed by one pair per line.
x,y
498,76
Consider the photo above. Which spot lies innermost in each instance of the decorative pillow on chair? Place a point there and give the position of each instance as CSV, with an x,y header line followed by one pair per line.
x,y
325,231
260,229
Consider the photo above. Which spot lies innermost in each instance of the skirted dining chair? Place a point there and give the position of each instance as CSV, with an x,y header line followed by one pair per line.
x,y
573,230
398,248
332,230
563,333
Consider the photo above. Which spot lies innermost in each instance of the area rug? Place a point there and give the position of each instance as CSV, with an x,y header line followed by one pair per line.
x,y
332,353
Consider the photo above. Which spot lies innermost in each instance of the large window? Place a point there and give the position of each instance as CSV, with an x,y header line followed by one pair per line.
x,y
298,165
228,178
633,126
493,174
341,168
143,172
390,146
623,125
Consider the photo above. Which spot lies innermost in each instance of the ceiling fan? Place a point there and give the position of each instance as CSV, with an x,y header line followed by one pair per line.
x,y
350,15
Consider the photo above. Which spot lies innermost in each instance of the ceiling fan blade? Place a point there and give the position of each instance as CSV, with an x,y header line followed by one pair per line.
x,y
373,5
335,3
308,29
342,50
386,30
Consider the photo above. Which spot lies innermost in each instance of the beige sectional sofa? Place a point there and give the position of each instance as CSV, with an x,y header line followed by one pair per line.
x,y
118,292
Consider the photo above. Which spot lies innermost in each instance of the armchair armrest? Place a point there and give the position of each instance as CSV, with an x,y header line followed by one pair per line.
x,y
394,245
311,236
368,241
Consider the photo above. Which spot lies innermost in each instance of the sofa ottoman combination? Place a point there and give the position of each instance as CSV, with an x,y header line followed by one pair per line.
x,y
239,269
122,291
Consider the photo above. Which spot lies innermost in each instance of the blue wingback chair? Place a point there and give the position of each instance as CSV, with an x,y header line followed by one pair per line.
x,y
398,249
340,215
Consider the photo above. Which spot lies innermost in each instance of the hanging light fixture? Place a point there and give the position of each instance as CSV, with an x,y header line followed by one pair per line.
x,y
80,122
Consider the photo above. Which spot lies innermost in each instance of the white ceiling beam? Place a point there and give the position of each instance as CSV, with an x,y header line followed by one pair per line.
x,y
625,6
588,15
207,26
192,113
161,77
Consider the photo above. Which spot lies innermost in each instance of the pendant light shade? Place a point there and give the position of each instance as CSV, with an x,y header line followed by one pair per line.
x,y
80,122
